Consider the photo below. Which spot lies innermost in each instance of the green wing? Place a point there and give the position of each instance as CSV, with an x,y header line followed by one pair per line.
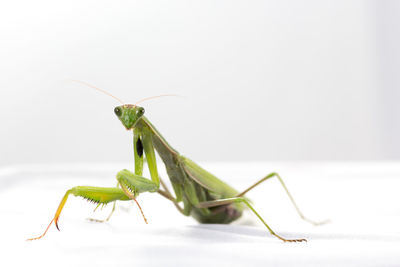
x,y
207,180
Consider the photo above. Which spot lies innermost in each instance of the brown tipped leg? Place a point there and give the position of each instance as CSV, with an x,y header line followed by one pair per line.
x,y
56,216
274,174
132,196
227,201
39,237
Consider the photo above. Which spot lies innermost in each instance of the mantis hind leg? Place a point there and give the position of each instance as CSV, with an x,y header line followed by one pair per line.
x,y
274,174
227,201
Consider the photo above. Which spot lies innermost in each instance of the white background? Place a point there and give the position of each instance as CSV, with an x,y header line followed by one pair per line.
x,y
259,80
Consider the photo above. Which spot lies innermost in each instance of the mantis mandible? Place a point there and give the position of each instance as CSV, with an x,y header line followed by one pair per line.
x,y
202,195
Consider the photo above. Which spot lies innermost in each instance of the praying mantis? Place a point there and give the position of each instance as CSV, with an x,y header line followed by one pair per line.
x,y
197,192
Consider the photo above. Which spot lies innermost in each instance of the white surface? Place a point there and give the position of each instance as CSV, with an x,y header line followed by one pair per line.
x,y
361,199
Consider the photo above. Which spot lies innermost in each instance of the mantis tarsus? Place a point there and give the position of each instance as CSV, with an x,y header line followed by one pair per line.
x,y
204,197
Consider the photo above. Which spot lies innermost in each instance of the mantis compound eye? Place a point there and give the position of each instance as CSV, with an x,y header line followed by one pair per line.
x,y
141,111
118,111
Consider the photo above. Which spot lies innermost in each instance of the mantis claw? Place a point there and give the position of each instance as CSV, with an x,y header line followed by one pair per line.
x,y
56,223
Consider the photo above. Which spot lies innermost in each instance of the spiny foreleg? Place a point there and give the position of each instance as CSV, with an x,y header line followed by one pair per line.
x,y
98,195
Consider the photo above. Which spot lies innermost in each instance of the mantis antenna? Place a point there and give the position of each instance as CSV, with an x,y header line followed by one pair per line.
x,y
116,98
100,90
152,97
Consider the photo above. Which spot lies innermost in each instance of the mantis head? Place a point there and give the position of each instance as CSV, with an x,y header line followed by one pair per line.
x,y
129,115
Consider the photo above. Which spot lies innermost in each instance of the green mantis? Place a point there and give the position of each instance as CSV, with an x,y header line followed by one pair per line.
x,y
197,192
